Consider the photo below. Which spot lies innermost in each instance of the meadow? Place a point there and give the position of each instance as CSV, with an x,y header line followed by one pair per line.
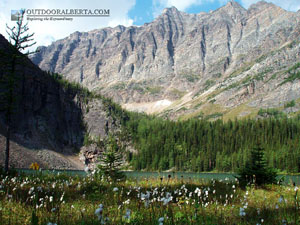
x,y
62,199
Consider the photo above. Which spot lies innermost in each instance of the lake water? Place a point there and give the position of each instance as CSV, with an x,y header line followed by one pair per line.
x,y
140,175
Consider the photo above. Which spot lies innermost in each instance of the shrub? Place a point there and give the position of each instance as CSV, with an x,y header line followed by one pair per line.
x,y
290,104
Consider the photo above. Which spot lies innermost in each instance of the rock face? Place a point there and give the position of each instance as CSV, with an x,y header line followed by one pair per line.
x,y
49,119
44,109
186,57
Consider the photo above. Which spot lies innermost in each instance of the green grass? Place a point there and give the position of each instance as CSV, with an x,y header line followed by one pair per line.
x,y
274,76
242,69
206,110
231,86
177,92
260,76
235,112
271,112
294,74
154,90
261,58
119,86
292,44
198,105
137,87
209,83
69,200
190,77
290,104
213,116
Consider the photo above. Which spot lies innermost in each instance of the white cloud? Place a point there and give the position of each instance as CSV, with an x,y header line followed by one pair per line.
x,y
48,31
125,21
159,5
290,5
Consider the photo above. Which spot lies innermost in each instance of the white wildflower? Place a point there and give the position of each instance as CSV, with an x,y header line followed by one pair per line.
x,y
115,189
31,190
258,211
127,202
242,212
167,199
62,197
127,214
98,212
161,221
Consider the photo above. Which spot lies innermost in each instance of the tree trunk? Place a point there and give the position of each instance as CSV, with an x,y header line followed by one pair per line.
x,y
9,112
7,148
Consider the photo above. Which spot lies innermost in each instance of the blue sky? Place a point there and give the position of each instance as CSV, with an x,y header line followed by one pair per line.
x,y
124,12
146,11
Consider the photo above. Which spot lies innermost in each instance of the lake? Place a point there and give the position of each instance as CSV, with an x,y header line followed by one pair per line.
x,y
140,175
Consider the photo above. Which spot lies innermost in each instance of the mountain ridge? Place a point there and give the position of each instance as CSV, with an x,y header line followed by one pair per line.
x,y
179,56
53,119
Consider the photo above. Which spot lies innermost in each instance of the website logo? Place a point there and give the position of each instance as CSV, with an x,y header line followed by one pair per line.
x,y
15,15
57,14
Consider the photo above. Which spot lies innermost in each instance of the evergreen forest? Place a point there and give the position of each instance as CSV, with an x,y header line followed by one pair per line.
x,y
202,145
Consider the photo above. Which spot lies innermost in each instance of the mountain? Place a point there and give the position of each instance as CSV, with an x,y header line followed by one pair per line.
x,y
51,118
229,62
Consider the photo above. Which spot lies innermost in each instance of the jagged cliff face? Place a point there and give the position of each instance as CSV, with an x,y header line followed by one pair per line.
x,y
49,119
183,63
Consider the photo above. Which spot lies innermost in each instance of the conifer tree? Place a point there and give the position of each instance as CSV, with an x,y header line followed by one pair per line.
x,y
256,170
19,42
111,161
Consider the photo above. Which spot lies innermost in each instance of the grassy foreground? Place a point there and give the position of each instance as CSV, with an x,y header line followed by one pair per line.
x,y
62,199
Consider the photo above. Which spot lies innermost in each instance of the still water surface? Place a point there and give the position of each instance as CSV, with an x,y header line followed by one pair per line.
x,y
139,175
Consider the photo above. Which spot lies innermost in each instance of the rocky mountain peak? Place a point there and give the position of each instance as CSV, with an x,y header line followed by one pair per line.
x,y
263,5
180,55
233,5
232,10
170,11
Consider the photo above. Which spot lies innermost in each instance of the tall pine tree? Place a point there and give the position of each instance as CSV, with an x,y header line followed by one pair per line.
x,y
19,42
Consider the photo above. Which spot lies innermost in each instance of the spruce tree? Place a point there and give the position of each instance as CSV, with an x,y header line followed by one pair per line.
x,y
256,170
111,161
